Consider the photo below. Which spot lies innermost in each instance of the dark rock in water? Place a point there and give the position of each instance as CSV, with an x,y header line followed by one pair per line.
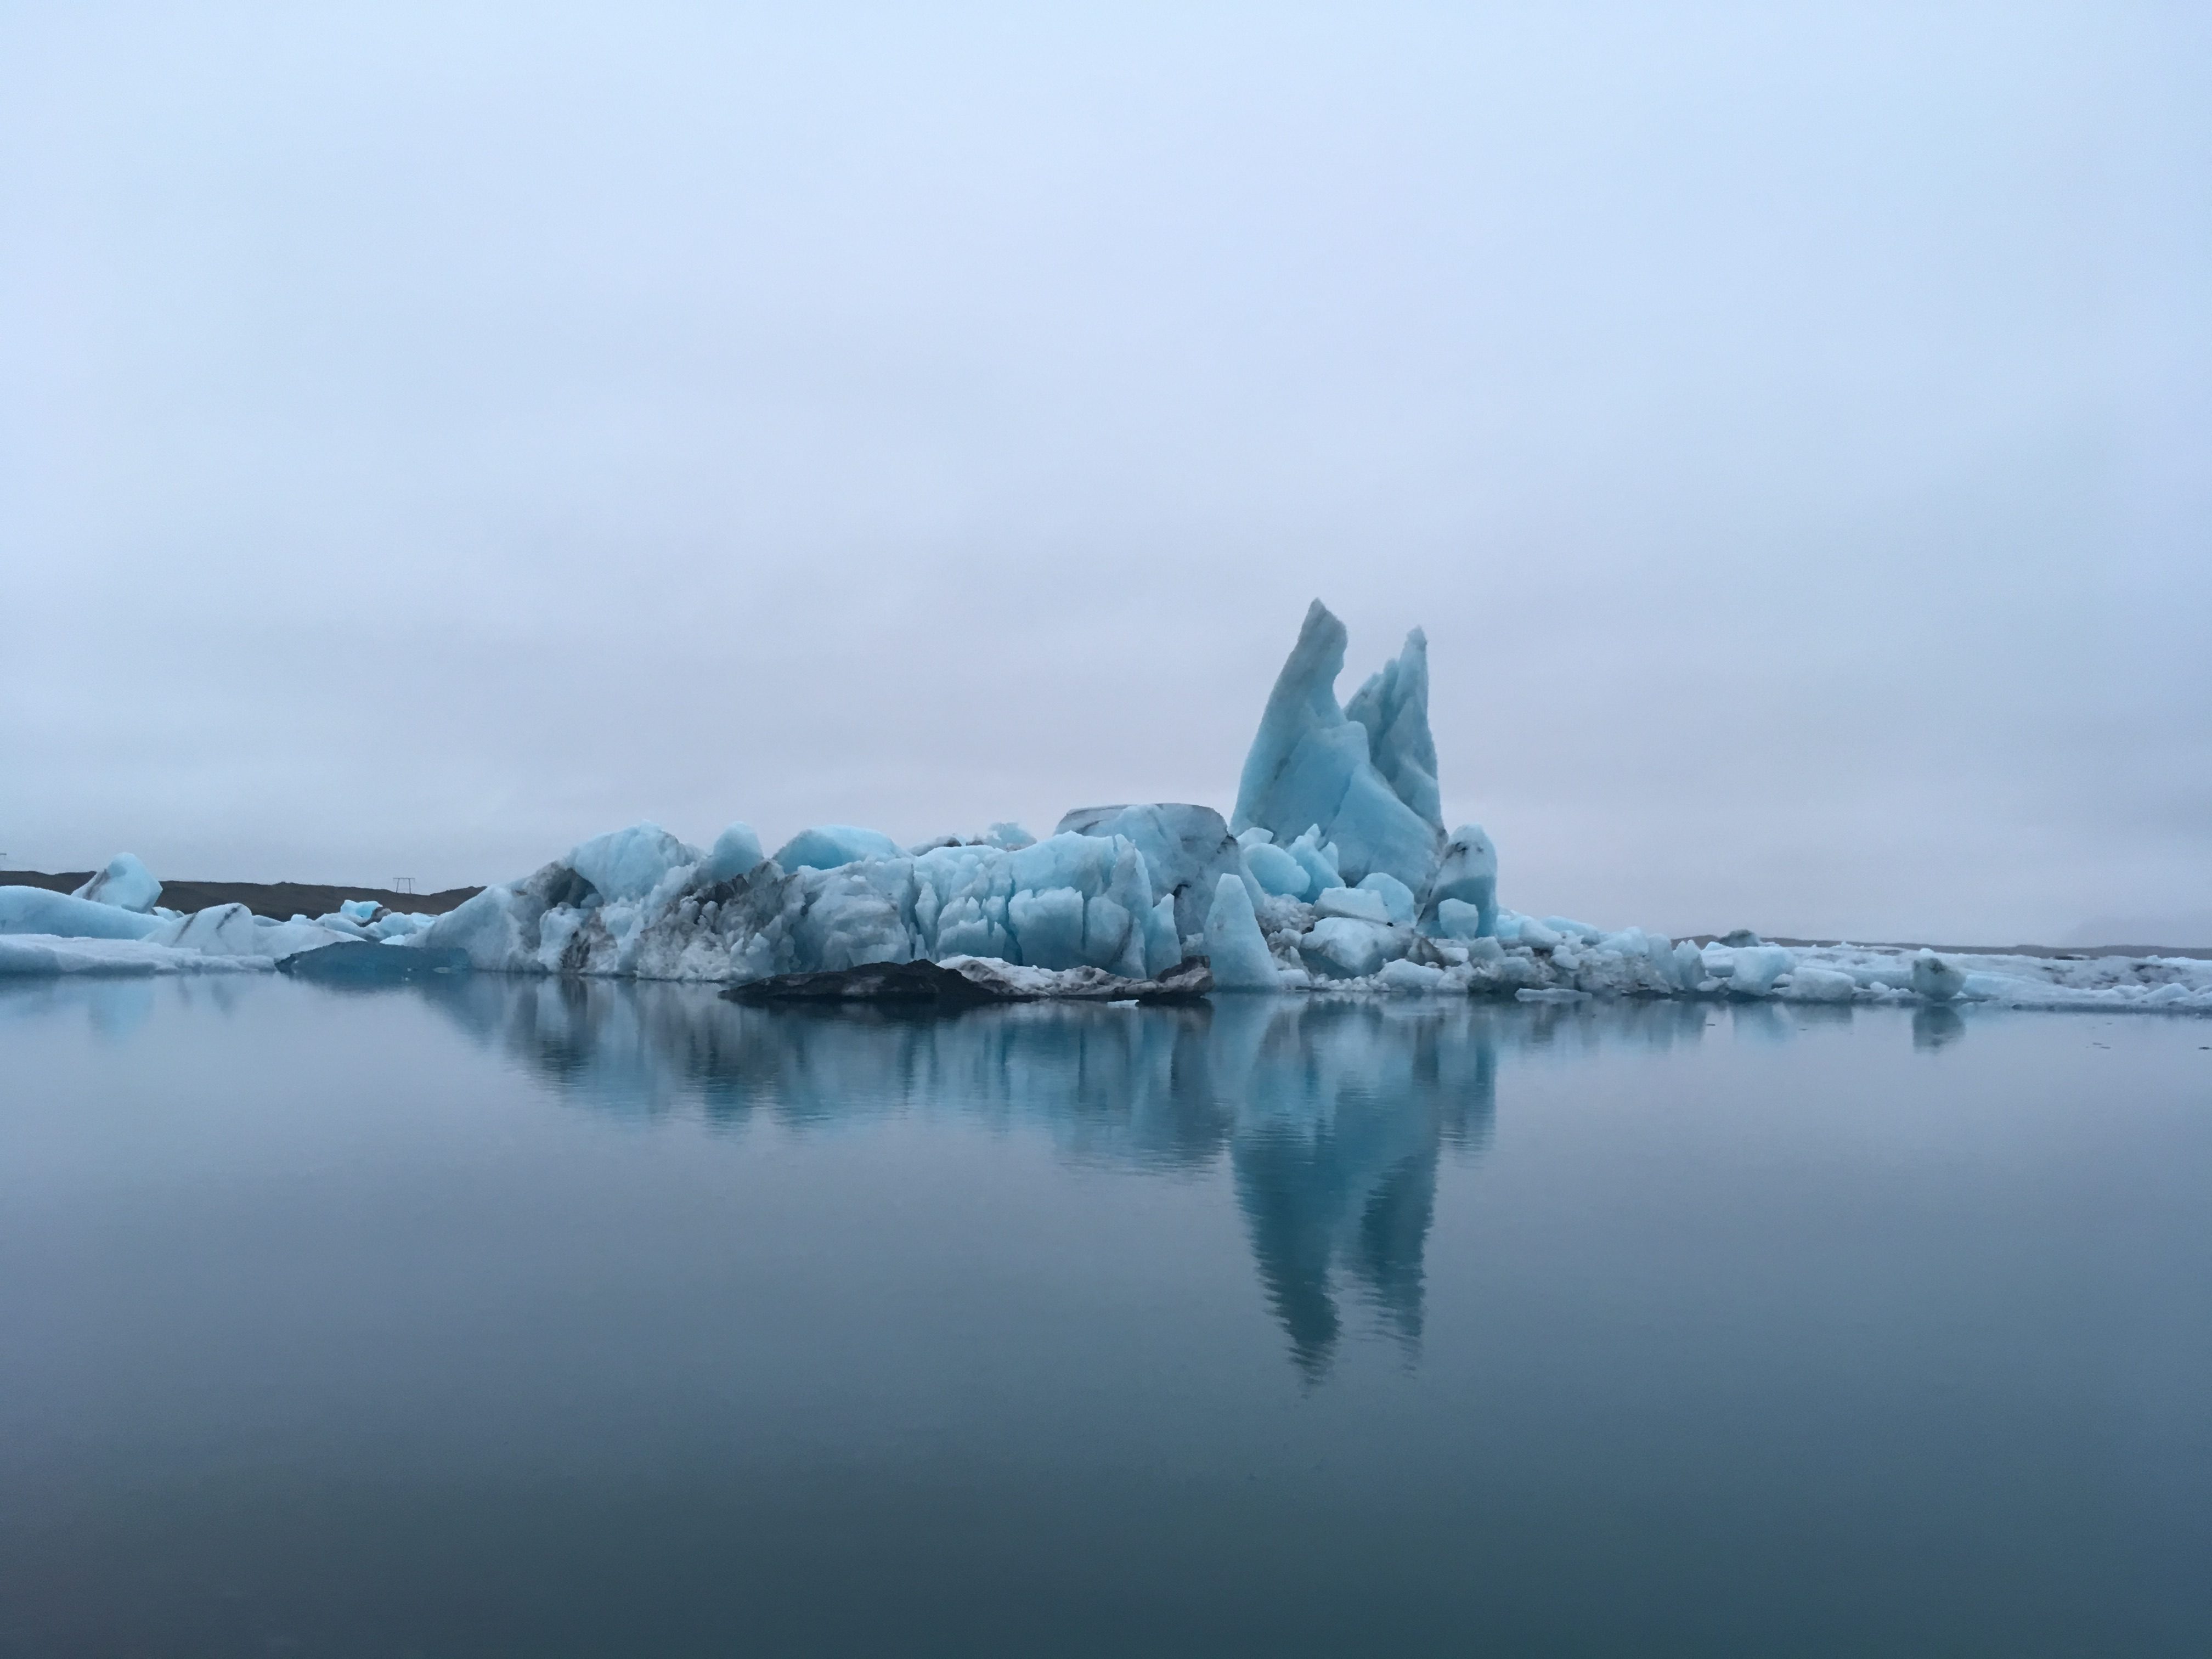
x,y
972,979
874,982
358,962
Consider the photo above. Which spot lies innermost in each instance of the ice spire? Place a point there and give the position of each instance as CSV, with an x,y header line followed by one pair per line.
x,y
1309,764
1393,706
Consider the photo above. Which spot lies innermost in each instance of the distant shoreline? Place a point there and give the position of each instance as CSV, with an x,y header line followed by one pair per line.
x,y
2051,952
281,900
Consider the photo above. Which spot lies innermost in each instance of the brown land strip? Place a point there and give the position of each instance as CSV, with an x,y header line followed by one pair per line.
x,y
280,899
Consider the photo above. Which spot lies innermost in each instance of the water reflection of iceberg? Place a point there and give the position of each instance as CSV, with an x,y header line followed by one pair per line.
x,y
1332,1115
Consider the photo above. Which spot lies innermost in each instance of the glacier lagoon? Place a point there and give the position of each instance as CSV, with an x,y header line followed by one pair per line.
x,y
561,1315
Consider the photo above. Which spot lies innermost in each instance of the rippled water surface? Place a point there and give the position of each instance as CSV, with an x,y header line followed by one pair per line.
x,y
550,1319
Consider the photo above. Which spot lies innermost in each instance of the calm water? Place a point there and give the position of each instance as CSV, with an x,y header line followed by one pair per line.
x,y
544,1320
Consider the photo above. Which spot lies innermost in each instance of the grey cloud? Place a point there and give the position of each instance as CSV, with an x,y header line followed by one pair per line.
x,y
426,440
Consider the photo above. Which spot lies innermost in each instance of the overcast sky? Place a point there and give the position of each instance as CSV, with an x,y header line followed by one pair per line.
x,y
427,440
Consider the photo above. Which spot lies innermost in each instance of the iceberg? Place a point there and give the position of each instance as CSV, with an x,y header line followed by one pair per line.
x,y
125,884
1334,875
1935,979
1312,767
65,915
1331,877
1277,872
1394,705
1071,900
232,930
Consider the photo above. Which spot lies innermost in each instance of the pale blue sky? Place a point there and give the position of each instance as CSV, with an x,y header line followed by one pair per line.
x,y
426,441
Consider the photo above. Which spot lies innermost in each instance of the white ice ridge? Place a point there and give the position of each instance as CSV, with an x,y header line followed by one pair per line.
x,y
1334,874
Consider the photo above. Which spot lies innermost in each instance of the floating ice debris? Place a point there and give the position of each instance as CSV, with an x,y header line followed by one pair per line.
x,y
1937,979
232,930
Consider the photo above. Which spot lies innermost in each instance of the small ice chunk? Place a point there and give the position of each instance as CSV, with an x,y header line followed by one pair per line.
x,y
1317,859
1403,975
832,845
1457,919
359,910
1358,903
1397,897
1936,978
1810,984
1537,935
1344,947
1468,873
125,884
1276,871
1234,947
1757,968
1008,836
